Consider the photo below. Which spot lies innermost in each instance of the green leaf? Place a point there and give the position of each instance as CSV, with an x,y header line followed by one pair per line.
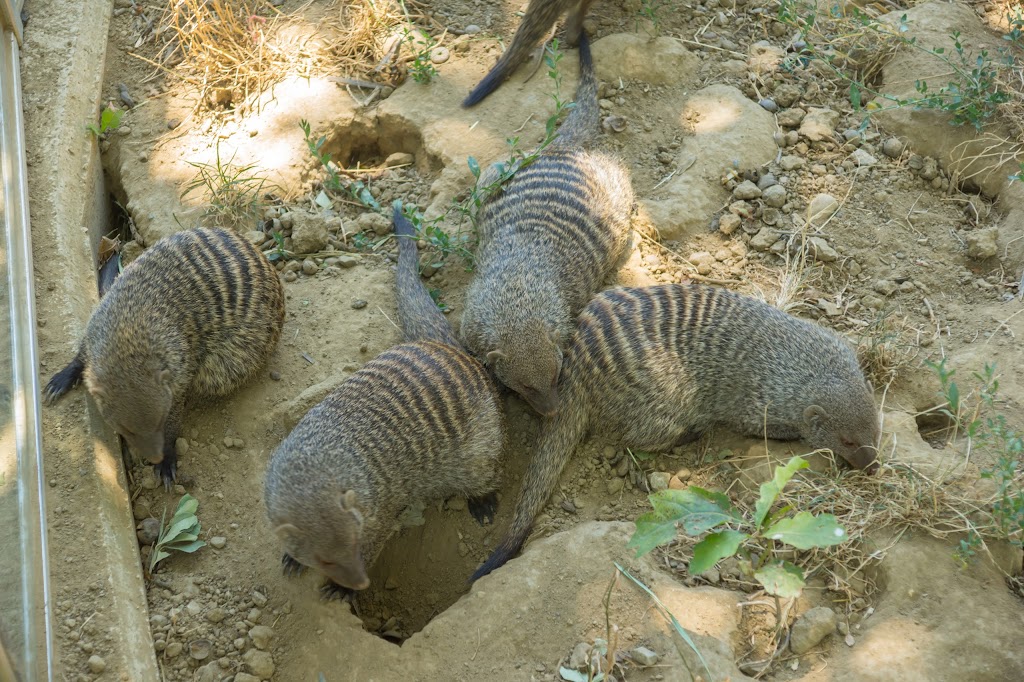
x,y
781,580
187,505
181,538
474,167
805,531
176,529
652,530
187,547
699,510
855,96
770,489
570,675
714,548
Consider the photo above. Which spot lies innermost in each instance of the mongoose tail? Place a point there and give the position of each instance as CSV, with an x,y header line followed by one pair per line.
x,y
560,435
540,16
582,122
420,317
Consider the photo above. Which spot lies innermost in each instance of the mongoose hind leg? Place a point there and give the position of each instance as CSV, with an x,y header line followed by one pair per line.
x,y
64,380
290,566
574,24
484,507
687,437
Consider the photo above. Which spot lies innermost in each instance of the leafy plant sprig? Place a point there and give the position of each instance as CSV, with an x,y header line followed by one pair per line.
x,y
357,189
110,119
699,511
181,534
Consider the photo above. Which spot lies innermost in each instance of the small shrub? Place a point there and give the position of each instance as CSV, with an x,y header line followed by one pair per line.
x,y
700,511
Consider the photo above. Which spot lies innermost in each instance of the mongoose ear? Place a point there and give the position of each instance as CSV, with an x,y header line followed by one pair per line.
x,y
347,500
286,532
164,377
494,356
813,413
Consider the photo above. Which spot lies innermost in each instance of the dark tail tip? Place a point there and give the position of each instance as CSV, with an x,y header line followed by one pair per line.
x,y
484,88
499,557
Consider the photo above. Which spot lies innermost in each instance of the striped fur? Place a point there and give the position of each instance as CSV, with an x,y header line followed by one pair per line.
x,y
194,317
655,366
540,16
548,239
421,422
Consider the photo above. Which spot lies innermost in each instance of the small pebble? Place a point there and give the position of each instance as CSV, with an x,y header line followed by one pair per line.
x,y
97,665
218,542
309,267
358,304
893,148
216,615
439,55
471,29
769,104
173,649
644,656
149,531
261,636
259,599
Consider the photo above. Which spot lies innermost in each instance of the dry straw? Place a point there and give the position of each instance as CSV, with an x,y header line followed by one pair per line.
x,y
235,50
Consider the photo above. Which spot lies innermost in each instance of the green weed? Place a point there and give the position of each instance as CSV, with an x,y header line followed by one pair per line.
x,y
110,119
650,10
233,192
181,534
699,511
972,94
422,44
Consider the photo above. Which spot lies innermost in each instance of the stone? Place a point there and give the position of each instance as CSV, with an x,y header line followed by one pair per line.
x,y
811,628
309,233
893,148
255,237
769,105
615,486
644,656
218,542
96,664
819,124
580,656
787,94
822,207
261,636
259,663
791,118
820,250
791,163
309,267
216,615
658,480
863,158
630,56
173,649
149,531
763,240
746,190
374,222
982,244
727,129
775,196
399,159
348,261
729,223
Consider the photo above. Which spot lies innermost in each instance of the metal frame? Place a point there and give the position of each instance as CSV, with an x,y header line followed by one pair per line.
x,y
37,616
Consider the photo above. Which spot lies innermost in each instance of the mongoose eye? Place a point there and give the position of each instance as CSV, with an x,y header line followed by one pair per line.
x,y
326,564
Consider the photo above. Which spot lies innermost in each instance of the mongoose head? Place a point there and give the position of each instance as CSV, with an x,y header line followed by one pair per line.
x,y
330,541
136,405
848,426
530,365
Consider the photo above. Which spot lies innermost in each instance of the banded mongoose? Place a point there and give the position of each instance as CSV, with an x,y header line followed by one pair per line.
x,y
422,421
656,366
540,17
194,317
548,239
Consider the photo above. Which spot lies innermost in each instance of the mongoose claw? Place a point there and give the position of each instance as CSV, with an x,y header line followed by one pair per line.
x,y
331,590
63,381
484,508
167,470
290,566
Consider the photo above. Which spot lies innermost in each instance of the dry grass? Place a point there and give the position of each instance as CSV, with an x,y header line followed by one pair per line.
x,y
886,347
231,51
